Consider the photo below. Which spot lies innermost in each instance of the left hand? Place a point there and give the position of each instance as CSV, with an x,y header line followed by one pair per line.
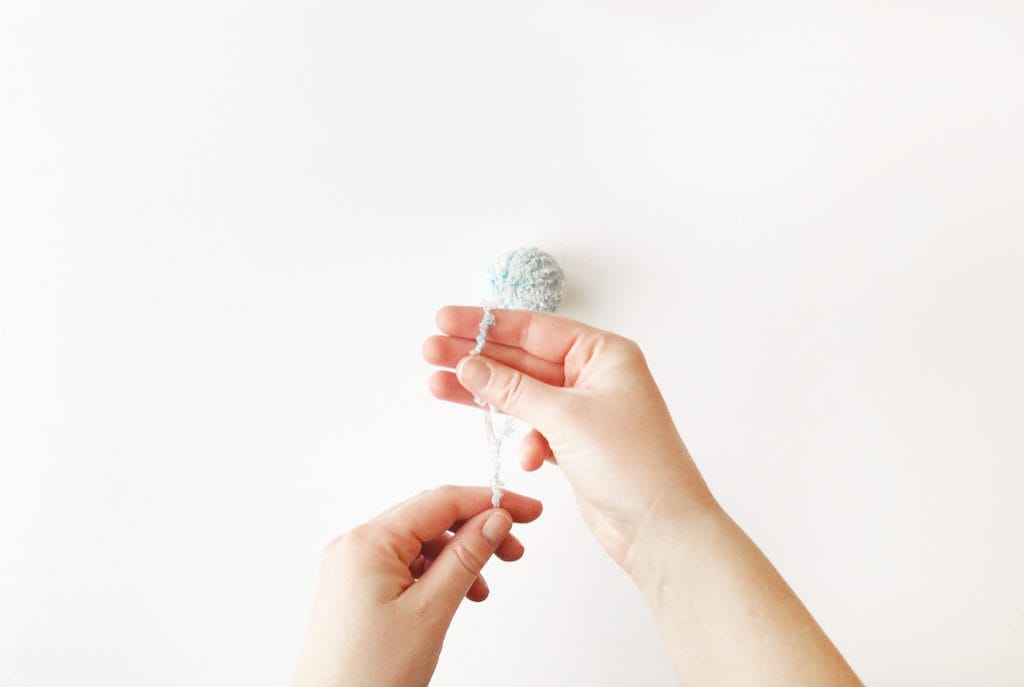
x,y
389,588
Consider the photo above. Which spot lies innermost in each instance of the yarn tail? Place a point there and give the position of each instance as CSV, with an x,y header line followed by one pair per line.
x,y
494,438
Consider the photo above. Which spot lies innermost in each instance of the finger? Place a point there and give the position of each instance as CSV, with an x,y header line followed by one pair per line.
x,y
445,386
521,506
419,566
455,570
544,335
512,392
430,514
448,351
511,549
533,450
432,549
479,590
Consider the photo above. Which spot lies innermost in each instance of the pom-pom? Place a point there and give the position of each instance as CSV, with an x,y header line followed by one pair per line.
x,y
526,279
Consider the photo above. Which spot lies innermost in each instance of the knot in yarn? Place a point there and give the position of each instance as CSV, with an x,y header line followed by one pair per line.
x,y
526,279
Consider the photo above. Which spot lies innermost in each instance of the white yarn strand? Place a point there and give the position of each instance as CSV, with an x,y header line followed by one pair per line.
x,y
523,279
495,439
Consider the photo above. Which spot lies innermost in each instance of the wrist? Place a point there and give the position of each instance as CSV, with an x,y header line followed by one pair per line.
x,y
666,538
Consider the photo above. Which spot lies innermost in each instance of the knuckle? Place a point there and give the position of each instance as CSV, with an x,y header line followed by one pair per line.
x,y
470,559
335,544
352,548
590,345
360,533
629,349
511,390
337,548
445,491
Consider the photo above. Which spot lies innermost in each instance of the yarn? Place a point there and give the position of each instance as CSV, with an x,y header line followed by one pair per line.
x,y
521,279
526,279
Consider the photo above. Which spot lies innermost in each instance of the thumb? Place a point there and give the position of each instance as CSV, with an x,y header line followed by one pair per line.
x,y
509,390
453,572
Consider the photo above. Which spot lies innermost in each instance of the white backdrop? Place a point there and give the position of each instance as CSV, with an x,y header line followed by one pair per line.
x,y
225,228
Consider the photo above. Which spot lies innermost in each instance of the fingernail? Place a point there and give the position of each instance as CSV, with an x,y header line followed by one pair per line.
x,y
497,527
474,374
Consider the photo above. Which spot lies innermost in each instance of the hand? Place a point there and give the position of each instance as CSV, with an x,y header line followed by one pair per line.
x,y
389,588
595,410
726,615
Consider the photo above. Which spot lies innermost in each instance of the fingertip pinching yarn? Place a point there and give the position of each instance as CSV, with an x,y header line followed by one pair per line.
x,y
521,279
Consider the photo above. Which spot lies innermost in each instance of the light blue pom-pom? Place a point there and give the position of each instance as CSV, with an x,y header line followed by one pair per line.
x,y
526,279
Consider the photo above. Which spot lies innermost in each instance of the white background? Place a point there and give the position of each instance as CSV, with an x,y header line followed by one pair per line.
x,y
225,228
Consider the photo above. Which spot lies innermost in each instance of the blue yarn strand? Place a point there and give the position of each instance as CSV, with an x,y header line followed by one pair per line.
x,y
520,279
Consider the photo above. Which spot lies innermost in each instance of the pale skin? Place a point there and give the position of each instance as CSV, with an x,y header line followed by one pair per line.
x,y
725,614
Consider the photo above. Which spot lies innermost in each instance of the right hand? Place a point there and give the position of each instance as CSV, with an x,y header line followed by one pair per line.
x,y
595,411
389,588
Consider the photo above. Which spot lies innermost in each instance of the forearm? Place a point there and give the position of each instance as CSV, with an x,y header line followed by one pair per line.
x,y
726,615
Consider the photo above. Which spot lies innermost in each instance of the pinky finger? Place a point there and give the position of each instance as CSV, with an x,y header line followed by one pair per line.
x,y
534,450
479,590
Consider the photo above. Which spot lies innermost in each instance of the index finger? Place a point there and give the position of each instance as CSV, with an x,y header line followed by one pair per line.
x,y
430,514
542,334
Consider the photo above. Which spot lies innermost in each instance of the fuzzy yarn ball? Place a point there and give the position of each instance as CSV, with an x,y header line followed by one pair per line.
x,y
526,279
